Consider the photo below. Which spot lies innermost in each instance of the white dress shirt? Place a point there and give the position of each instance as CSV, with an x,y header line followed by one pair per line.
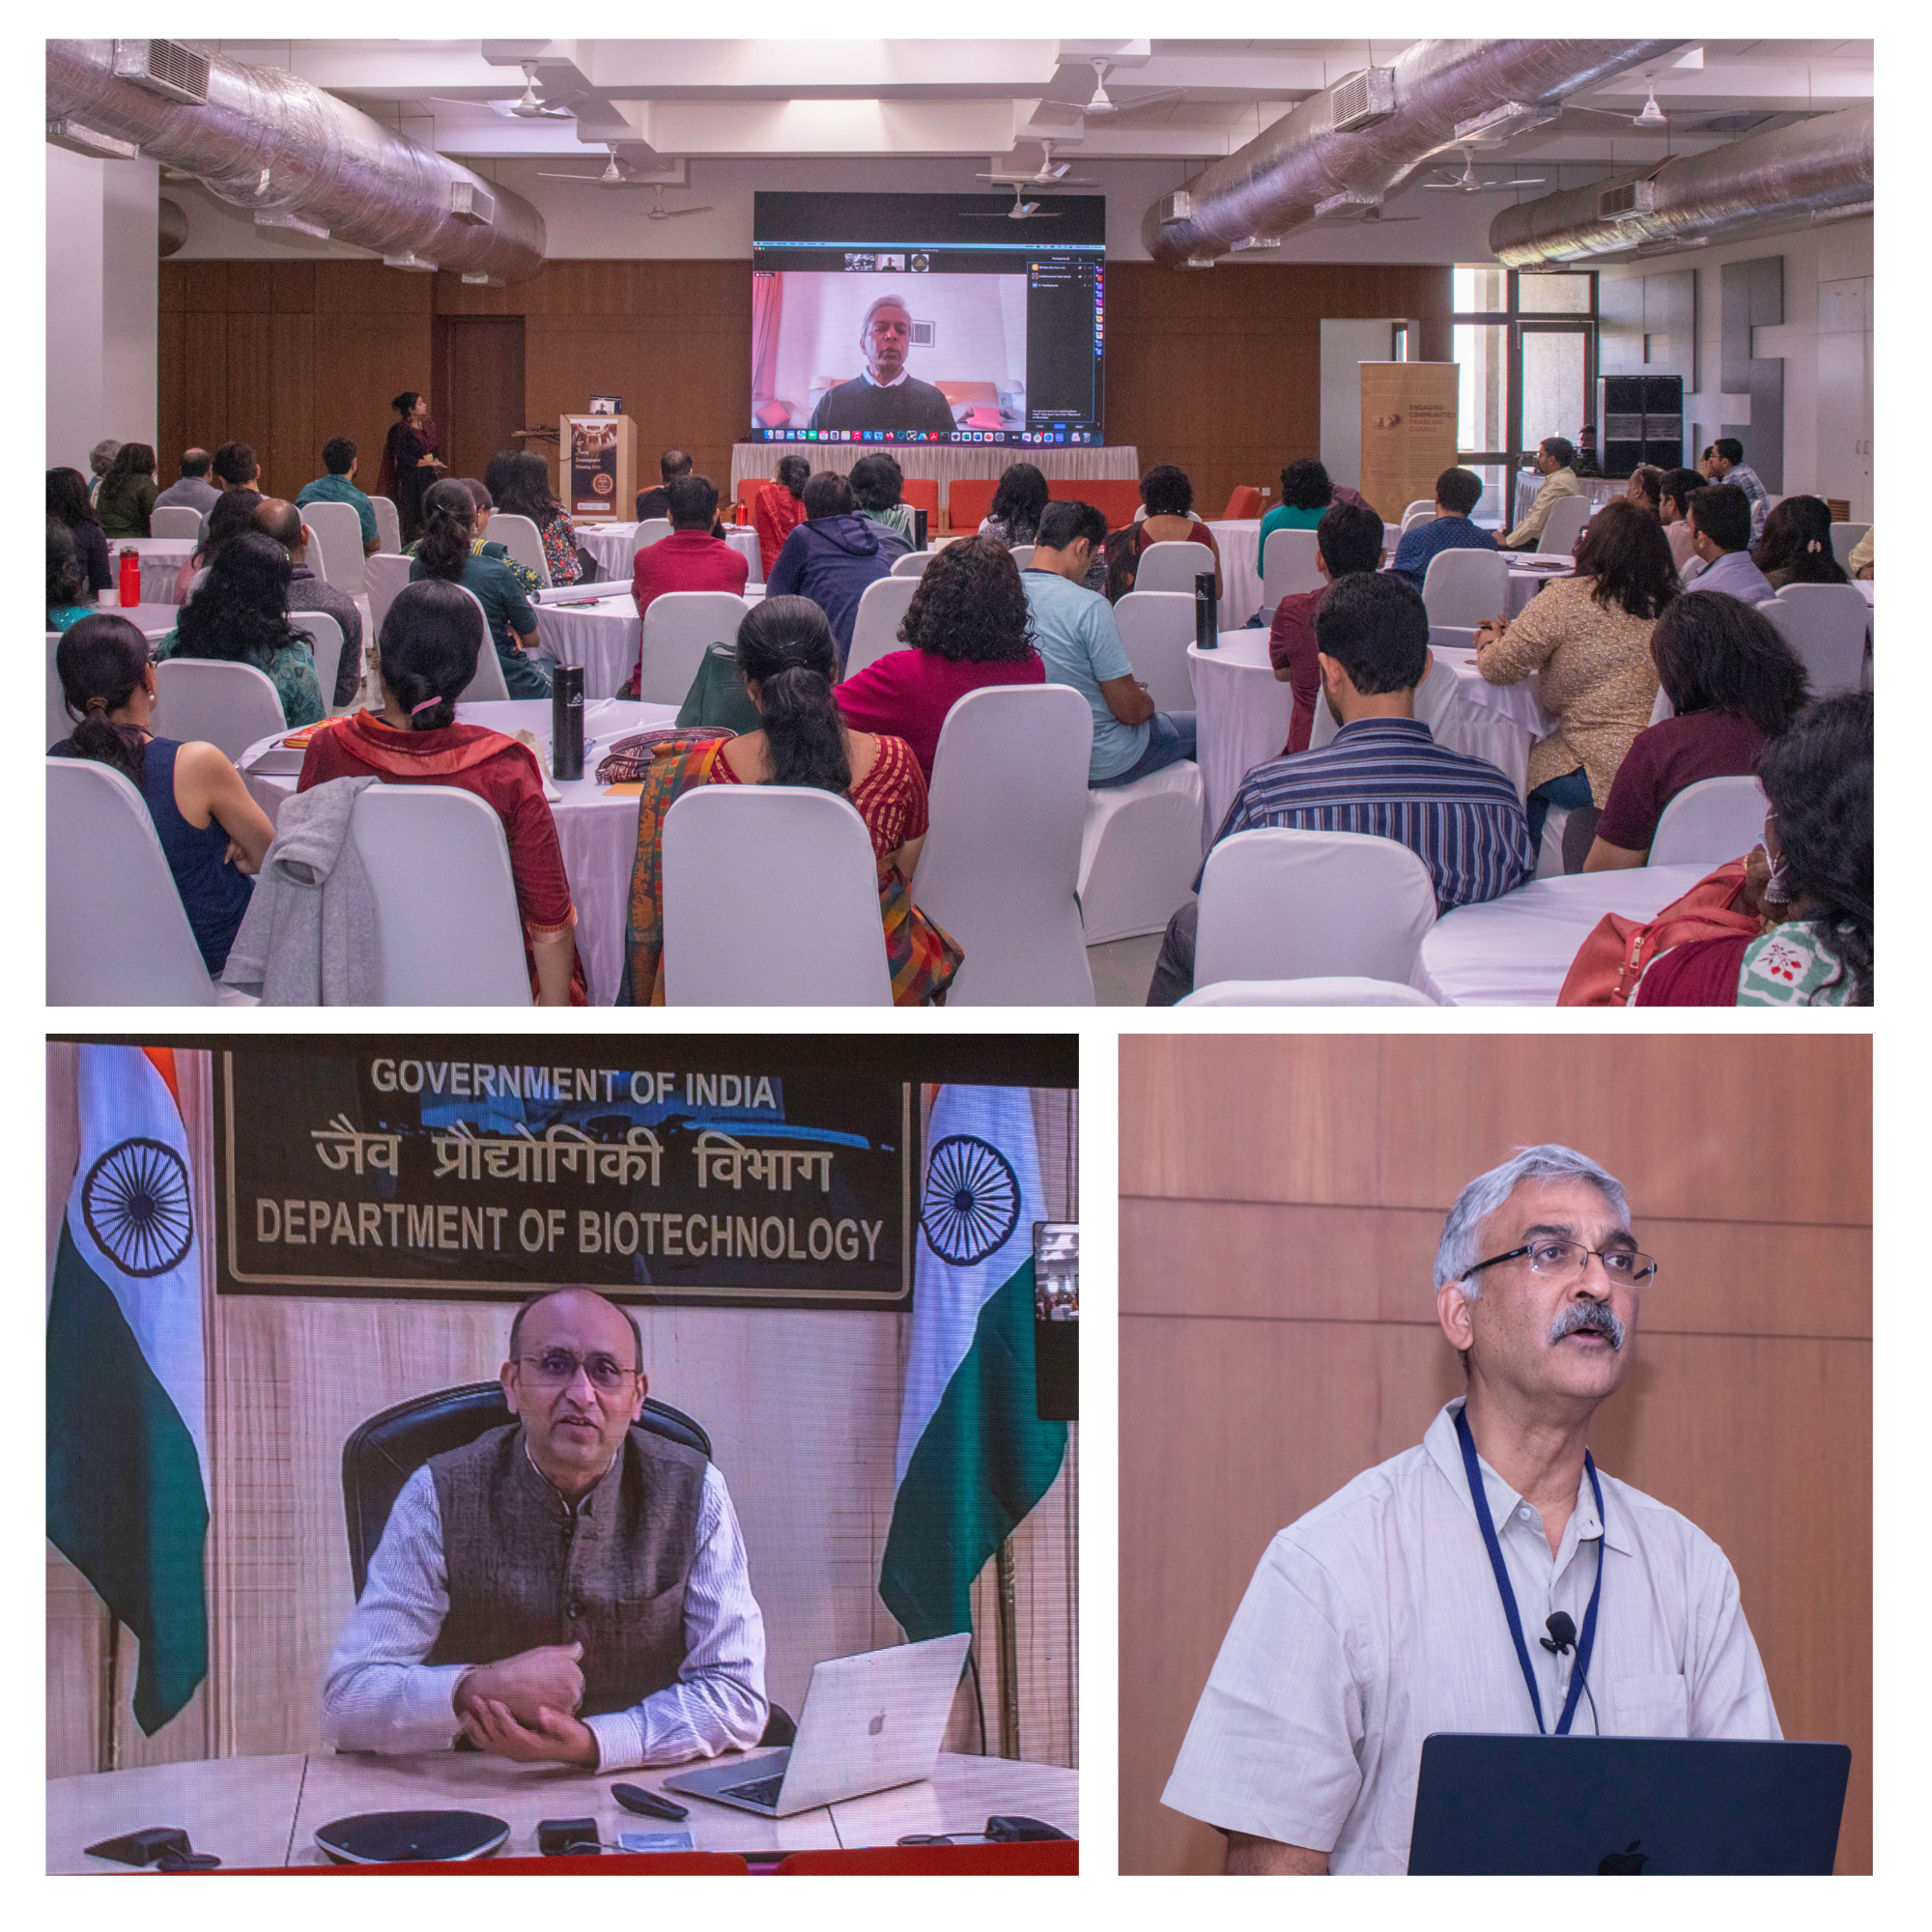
x,y
1375,1620
378,1694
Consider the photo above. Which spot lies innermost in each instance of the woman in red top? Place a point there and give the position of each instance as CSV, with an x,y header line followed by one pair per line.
x,y
967,625
1168,499
429,645
780,509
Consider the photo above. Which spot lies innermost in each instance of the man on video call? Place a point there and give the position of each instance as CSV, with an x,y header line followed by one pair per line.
x,y
883,396
564,1589
1379,1616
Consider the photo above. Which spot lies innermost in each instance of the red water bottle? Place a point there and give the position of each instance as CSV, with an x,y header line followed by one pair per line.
x,y
131,579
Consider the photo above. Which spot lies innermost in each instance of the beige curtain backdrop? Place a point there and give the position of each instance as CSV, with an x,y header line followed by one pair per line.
x,y
1281,1203
802,1407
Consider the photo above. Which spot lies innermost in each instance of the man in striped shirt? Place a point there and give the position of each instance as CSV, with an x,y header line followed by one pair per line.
x,y
1381,774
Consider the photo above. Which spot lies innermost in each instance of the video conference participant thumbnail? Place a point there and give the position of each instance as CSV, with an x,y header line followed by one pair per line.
x,y
1380,1616
564,1589
883,395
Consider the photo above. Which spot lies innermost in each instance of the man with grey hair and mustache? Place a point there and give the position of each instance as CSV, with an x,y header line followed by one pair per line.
x,y
1415,1599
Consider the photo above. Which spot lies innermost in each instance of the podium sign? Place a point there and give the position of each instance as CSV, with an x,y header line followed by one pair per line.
x,y
598,461
1409,432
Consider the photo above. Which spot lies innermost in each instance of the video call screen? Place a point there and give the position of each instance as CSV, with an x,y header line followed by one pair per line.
x,y
927,318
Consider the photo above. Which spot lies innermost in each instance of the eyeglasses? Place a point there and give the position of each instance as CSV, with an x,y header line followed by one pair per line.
x,y
1554,1258
556,1367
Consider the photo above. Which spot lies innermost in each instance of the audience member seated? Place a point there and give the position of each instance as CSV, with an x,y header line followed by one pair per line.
x,y
191,490
337,485
68,601
67,499
213,835
1015,513
1720,534
1348,539
780,509
428,649
967,626
239,614
1589,636
482,507
832,555
1707,464
1074,630
876,482
1306,497
1810,883
283,522
789,661
127,492
1796,547
1645,489
1860,558
1735,684
1728,466
1674,496
1167,504
673,462
689,559
453,524
519,480
236,468
1555,462
99,461
233,514
1382,775
1458,492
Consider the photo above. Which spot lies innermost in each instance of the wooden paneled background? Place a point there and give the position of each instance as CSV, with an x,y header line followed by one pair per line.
x,y
1217,371
803,1411
1281,1199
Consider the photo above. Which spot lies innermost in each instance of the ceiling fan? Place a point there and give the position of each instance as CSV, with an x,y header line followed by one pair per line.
x,y
1103,104
1469,181
531,106
1020,211
616,174
658,212
1051,174
1650,115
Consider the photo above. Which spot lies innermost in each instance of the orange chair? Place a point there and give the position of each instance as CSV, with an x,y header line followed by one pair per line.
x,y
1033,1857
748,493
969,501
922,493
1246,501
1116,497
607,1864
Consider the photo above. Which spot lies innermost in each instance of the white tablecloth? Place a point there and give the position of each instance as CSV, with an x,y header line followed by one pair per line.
x,y
1521,703
1516,950
612,546
604,636
161,559
1240,543
1525,583
153,618
598,833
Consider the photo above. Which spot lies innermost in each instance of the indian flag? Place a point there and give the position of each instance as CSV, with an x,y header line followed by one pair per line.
x,y
127,1444
973,1455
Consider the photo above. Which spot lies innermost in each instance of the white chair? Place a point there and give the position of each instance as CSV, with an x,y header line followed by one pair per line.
x,y
1452,636
1172,566
771,898
520,536
388,527
1140,849
1022,556
1343,991
1692,568
447,929
59,723
178,520
1845,538
1289,566
1827,624
1661,707
913,563
229,705
117,934
1466,586
1711,821
1564,525
487,684
1286,904
1417,513
1156,627
384,575
336,553
1001,866
875,630
653,530
324,642
1426,505
679,626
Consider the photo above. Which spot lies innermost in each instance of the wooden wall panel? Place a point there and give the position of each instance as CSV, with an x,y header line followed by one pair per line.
x,y
1281,1204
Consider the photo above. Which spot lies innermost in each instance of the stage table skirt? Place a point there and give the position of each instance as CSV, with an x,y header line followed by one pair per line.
x,y
759,460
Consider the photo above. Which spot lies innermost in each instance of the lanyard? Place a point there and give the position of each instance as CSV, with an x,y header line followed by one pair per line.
x,y
1588,1638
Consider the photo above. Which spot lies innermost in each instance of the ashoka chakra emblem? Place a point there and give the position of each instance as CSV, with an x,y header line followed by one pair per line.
x,y
136,1203
972,1200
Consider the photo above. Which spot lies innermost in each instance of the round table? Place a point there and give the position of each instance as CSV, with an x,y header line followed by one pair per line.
x,y
1518,950
596,831
1521,703
603,635
612,546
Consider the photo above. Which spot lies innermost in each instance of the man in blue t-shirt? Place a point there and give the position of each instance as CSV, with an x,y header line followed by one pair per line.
x,y
1073,631
338,459
1457,493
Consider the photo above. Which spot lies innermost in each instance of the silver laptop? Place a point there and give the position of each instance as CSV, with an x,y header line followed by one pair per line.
x,y
868,1722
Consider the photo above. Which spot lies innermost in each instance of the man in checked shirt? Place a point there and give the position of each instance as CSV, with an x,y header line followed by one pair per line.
x,y
564,1589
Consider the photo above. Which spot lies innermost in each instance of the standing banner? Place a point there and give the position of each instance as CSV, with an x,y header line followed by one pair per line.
x,y
598,461
1409,432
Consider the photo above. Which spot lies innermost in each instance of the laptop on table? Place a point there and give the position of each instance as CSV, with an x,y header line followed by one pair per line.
x,y
869,1722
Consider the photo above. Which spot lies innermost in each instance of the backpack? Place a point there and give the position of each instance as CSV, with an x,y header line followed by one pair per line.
x,y
1612,959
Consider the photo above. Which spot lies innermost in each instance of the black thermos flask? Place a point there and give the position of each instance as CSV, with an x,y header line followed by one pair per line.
x,y
919,538
566,722
1206,612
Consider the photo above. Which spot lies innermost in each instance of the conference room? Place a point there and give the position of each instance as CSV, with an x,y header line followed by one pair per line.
x,y
511,1454
466,586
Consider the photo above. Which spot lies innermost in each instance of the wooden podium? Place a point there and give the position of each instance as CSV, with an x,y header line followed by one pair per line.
x,y
1409,432
597,458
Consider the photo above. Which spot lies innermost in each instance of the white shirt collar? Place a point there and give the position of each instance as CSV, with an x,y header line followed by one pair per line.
x,y
877,385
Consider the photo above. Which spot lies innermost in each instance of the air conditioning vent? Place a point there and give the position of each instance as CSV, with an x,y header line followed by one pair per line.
x,y
471,203
1248,241
84,140
280,217
167,68
1362,100
1175,207
1637,197
1348,207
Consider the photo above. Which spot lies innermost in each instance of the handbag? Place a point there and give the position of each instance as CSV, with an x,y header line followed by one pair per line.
x,y
1612,959
718,695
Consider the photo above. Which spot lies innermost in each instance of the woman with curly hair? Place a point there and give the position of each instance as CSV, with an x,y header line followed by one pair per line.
x,y
1015,513
967,625
1306,494
1796,547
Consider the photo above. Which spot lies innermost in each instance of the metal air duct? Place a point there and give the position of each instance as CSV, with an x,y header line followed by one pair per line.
x,y
277,146
1816,167
1306,158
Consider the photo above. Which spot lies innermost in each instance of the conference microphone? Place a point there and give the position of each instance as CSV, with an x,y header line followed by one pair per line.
x,y
1561,1638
